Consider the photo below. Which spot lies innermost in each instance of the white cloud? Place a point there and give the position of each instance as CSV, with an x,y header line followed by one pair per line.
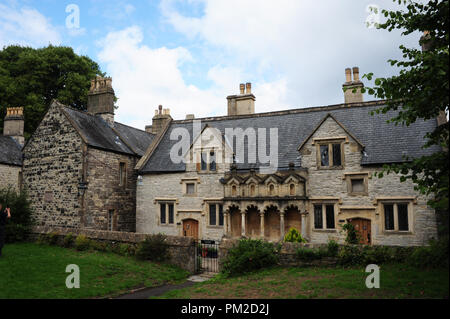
x,y
144,78
307,44
26,26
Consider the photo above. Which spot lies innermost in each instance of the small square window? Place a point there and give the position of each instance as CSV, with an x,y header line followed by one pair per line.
x,y
190,188
358,185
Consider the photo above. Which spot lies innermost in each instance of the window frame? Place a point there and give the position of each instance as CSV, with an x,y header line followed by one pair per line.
x,y
111,221
396,224
349,177
329,142
324,215
122,174
205,166
218,213
166,205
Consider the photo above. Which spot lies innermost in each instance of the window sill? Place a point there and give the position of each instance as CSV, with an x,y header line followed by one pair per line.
x,y
324,230
398,232
167,225
214,227
358,194
190,195
331,168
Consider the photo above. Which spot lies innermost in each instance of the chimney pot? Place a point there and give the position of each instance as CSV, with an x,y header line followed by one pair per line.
x,y
355,74
249,88
348,75
242,88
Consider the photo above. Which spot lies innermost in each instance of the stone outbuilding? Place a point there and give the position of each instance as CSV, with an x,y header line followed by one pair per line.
x,y
78,167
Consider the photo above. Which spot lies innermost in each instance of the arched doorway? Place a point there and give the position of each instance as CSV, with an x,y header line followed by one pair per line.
x,y
363,228
272,223
190,228
235,222
253,222
292,219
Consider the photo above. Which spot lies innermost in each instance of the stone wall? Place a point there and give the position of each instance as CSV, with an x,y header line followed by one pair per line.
x,y
52,169
181,249
105,194
330,186
9,175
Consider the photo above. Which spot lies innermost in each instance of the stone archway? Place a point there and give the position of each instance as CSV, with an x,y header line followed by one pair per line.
x,y
235,221
292,219
253,222
272,223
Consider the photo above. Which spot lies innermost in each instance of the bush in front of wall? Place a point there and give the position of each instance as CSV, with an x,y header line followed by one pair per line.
x,y
332,248
351,255
433,256
293,236
154,248
249,255
352,237
82,243
53,238
69,240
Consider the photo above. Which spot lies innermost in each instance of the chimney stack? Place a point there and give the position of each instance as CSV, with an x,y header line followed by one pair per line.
x,y
244,103
101,99
13,124
160,119
350,85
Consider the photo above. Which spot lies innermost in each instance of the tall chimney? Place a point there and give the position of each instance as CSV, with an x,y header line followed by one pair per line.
x,y
13,124
101,99
160,119
244,103
350,85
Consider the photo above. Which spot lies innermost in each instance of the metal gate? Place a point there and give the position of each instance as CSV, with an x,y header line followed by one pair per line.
x,y
207,256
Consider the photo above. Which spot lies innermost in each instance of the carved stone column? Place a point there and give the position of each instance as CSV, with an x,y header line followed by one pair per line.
x,y
261,214
243,224
225,223
303,231
282,225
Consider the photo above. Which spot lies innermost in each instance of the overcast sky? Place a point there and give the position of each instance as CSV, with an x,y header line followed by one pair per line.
x,y
188,55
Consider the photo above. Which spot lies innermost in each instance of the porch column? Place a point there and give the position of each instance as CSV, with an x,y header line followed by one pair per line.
x,y
303,231
262,224
282,225
225,223
243,224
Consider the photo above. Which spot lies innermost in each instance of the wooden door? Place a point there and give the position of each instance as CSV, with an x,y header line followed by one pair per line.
x,y
190,228
363,227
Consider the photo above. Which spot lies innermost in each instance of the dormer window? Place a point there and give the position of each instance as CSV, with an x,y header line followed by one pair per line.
x,y
208,162
330,155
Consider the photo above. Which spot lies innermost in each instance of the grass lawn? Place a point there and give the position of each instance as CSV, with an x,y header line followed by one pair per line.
x,y
30,270
396,281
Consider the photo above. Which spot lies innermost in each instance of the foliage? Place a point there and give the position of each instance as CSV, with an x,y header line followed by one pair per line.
x,y
32,78
420,92
249,255
351,255
293,236
332,248
69,240
82,243
154,248
352,236
53,238
433,256
309,254
18,226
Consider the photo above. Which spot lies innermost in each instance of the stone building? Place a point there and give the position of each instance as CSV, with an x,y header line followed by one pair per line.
x,y
11,144
78,166
325,160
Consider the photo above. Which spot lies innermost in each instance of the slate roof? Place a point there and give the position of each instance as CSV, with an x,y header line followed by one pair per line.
x,y
384,143
121,138
10,151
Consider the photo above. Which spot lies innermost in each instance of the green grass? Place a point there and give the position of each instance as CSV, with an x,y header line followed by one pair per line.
x,y
29,270
396,281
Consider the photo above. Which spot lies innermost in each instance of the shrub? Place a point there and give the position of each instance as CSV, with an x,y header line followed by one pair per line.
x,y
99,245
82,243
249,255
154,248
377,254
53,238
309,254
352,237
126,250
293,236
351,255
432,256
69,240
19,224
332,248
42,239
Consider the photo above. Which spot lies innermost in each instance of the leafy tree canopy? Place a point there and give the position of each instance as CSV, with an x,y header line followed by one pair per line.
x,y
32,78
420,91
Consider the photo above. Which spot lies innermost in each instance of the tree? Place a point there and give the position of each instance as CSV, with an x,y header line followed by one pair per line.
x,y
32,78
420,91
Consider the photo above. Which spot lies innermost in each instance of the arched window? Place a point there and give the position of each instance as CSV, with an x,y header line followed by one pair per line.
x,y
292,189
271,190
233,190
252,190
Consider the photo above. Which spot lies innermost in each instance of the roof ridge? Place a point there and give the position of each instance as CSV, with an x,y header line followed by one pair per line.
x,y
134,128
286,112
